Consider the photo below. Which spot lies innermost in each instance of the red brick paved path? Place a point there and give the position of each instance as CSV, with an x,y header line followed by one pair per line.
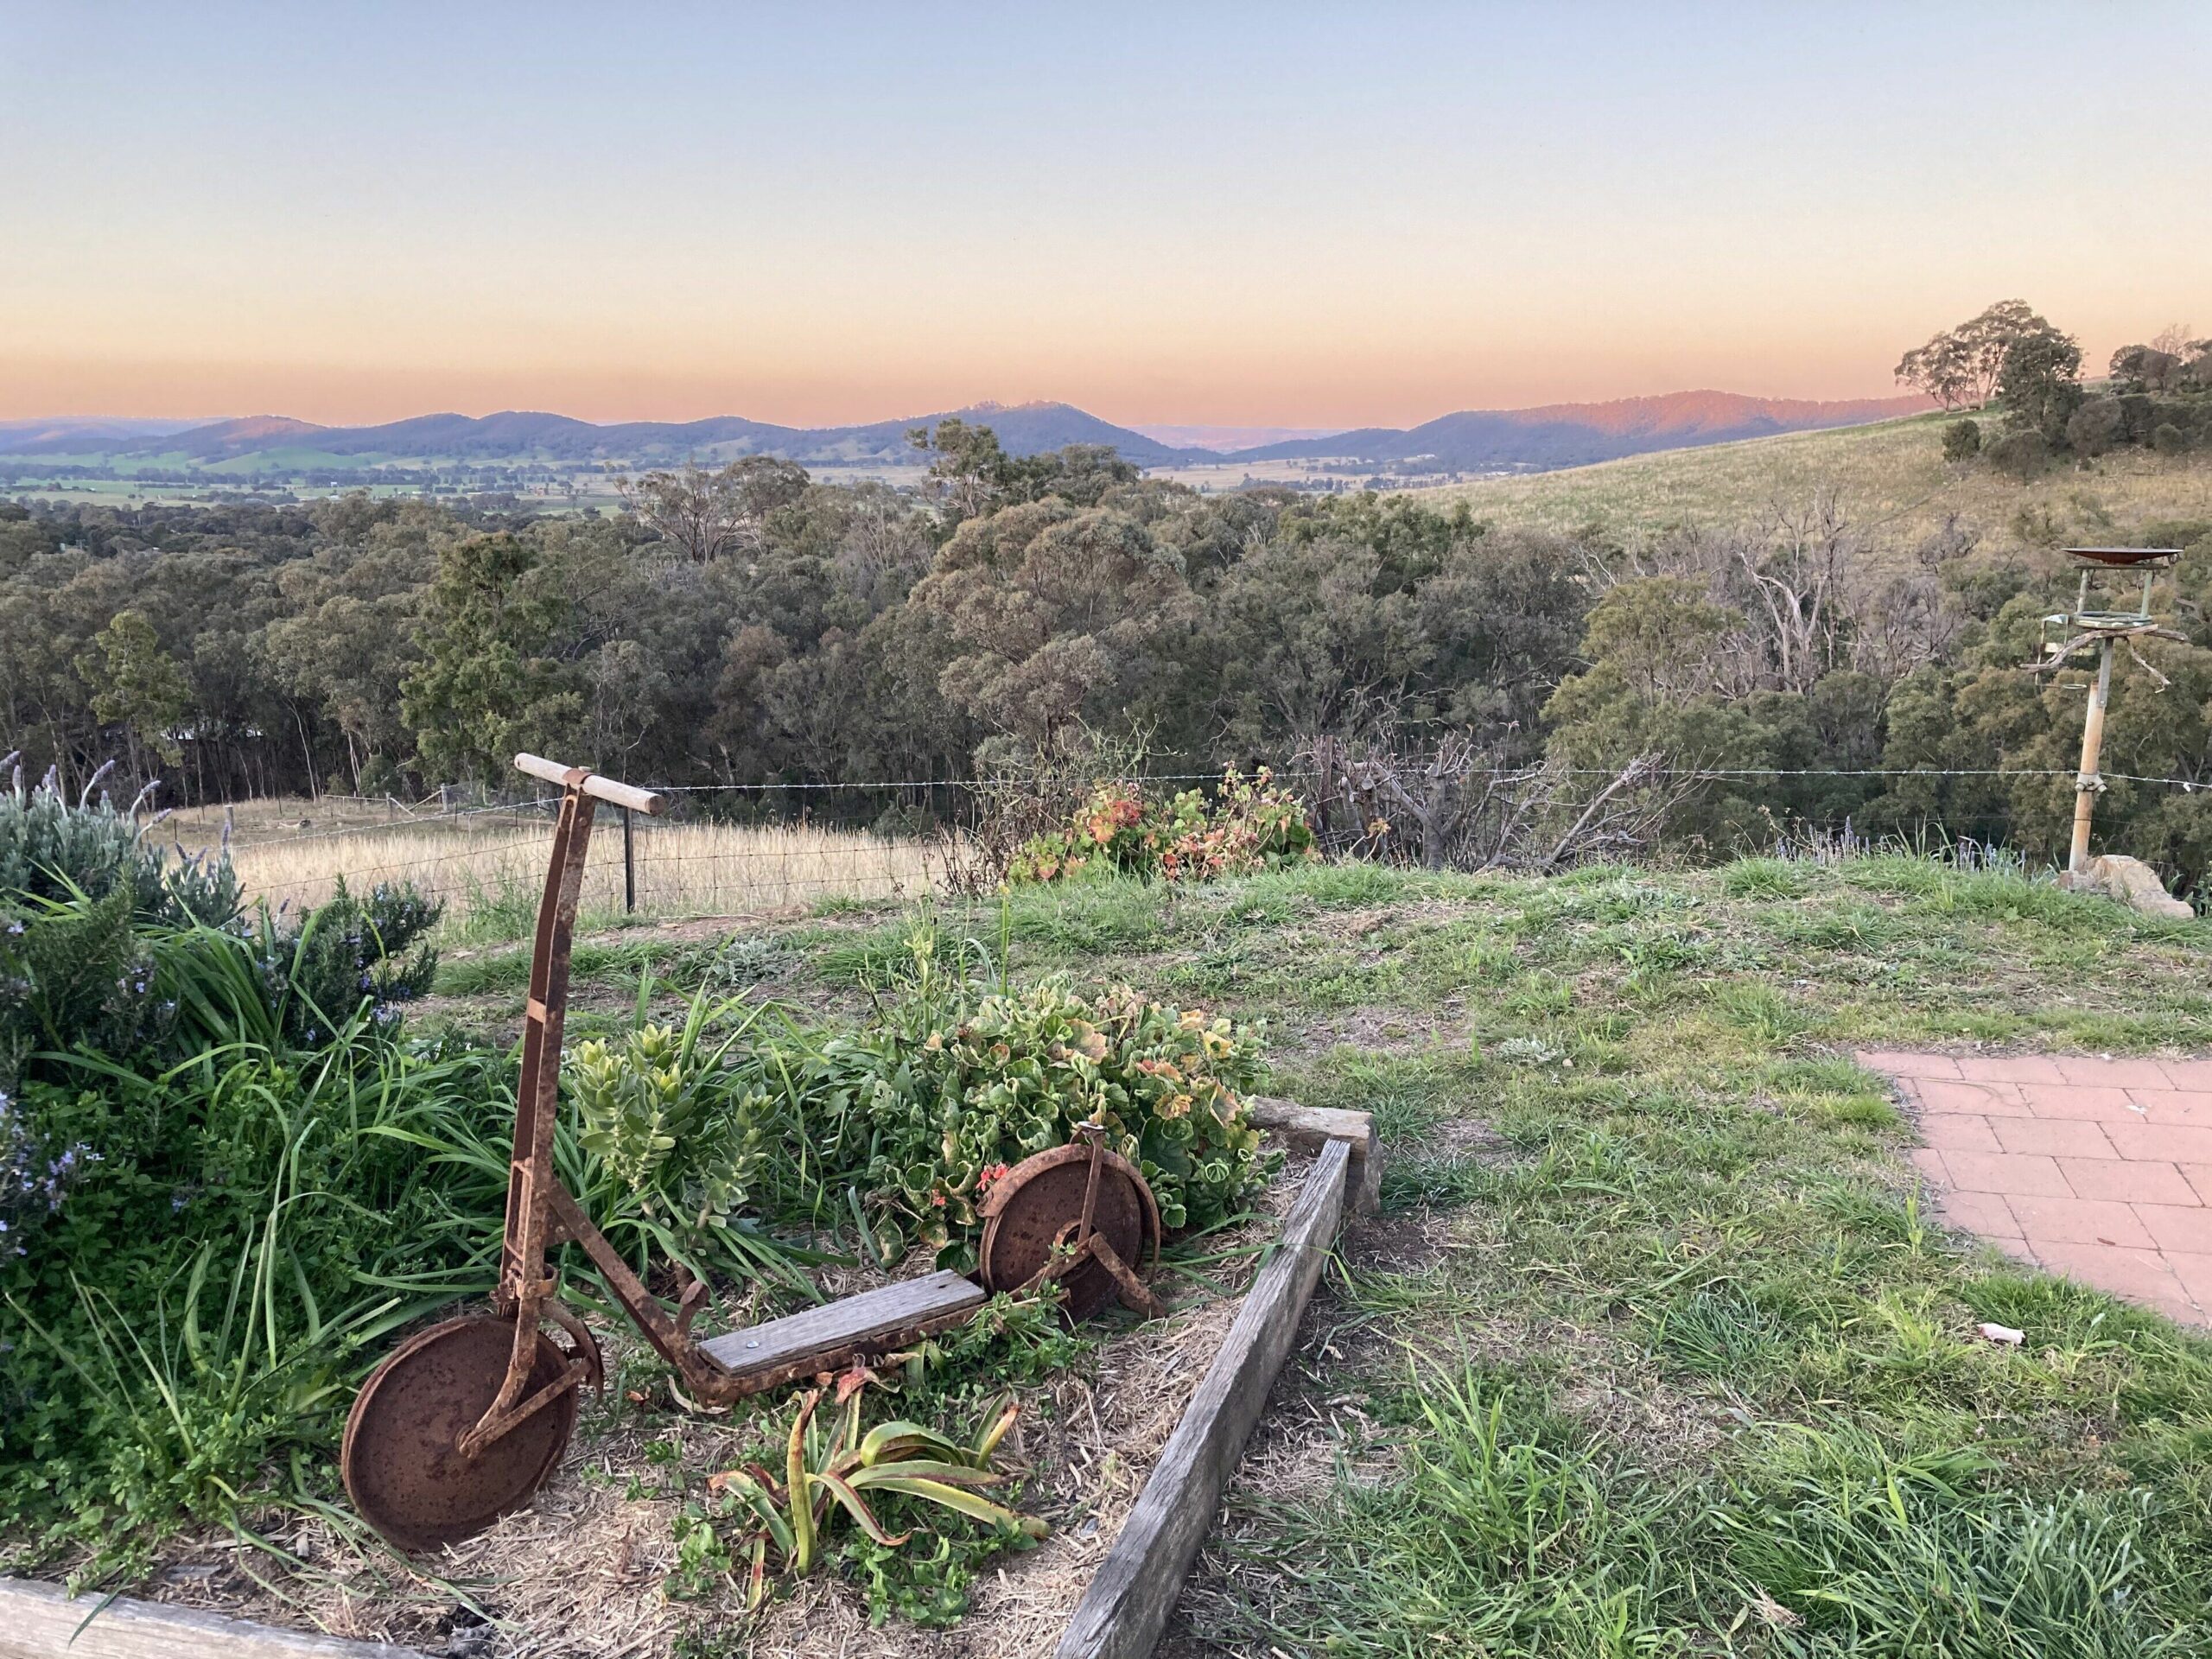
x,y
2100,1170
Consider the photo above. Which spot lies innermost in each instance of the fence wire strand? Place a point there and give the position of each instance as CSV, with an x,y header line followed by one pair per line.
x,y
700,864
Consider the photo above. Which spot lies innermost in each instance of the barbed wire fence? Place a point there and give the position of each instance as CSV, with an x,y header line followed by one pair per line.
x,y
763,848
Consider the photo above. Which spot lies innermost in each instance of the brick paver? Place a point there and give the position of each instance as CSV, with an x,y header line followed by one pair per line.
x,y
2128,1180
2067,1138
2097,1169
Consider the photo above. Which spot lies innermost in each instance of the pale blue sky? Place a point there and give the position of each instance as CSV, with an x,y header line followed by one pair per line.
x,y
1307,214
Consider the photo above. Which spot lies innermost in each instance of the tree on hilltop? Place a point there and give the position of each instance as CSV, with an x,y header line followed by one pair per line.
x,y
2144,368
2174,341
2171,362
2040,381
1960,367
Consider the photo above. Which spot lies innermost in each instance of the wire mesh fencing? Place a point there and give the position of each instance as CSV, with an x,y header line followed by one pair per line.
x,y
489,865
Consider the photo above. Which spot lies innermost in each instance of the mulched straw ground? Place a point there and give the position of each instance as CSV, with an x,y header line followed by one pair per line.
x,y
581,1572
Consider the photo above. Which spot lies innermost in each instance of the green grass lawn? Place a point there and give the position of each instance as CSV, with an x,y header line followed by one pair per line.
x,y
1652,1349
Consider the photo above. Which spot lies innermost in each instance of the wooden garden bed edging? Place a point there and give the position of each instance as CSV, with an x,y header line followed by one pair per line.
x,y
1122,1612
39,1620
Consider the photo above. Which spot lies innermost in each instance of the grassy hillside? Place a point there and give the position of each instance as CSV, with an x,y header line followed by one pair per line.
x,y
1890,476
1654,1340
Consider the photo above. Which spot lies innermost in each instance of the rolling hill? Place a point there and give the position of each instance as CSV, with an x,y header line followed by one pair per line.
x,y
1575,434
83,428
1889,478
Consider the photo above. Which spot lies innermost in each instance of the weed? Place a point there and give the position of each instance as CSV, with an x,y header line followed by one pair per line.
x,y
1878,1553
1762,1013
1765,878
1718,1333
1498,1539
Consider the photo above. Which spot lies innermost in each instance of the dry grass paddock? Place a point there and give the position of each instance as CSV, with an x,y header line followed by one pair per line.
x,y
1889,478
488,868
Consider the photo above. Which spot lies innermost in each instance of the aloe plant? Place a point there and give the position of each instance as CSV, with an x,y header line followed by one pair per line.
x,y
829,1469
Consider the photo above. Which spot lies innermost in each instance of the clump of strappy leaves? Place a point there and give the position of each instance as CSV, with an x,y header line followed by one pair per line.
x,y
836,1479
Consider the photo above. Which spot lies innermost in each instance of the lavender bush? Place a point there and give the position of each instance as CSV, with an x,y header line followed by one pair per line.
x,y
51,846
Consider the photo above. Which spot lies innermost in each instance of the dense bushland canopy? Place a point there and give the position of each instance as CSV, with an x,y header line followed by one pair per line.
x,y
767,628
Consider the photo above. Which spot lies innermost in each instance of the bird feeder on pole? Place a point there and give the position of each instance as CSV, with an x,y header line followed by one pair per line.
x,y
2083,627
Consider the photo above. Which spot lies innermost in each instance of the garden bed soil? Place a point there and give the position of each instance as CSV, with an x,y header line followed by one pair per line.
x,y
582,1571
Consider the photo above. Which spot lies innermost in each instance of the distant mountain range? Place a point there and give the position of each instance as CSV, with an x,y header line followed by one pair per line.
x,y
1574,435
1025,429
1231,440
1558,434
13,434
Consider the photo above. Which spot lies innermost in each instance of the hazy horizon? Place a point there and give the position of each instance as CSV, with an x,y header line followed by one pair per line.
x,y
1224,437
1251,218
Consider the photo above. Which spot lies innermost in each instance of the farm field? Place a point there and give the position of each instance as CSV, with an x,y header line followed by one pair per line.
x,y
1655,1347
1891,479
290,474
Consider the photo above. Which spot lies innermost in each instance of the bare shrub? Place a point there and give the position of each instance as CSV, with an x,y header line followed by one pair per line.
x,y
1452,805
1808,591
1012,803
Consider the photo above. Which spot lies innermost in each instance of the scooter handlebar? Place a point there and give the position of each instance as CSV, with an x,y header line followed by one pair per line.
x,y
605,789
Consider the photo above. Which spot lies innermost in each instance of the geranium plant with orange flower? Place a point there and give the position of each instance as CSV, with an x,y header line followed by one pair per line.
x,y
960,1079
1251,824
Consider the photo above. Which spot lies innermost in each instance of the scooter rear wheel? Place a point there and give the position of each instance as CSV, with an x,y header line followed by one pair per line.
x,y
1036,1209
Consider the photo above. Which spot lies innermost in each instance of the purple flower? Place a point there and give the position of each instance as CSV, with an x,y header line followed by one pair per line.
x,y
32,1183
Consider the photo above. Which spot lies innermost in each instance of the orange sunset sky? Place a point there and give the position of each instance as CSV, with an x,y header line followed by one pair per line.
x,y
1304,215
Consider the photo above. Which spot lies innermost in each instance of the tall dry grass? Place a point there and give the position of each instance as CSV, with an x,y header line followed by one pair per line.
x,y
1891,480
488,868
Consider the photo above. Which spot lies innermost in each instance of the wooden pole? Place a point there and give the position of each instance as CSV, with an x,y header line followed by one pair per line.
x,y
629,864
2088,783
